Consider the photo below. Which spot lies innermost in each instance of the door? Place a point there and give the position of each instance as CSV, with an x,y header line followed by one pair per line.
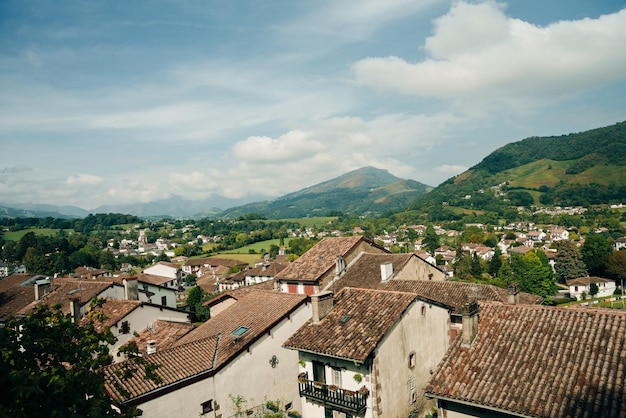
x,y
319,372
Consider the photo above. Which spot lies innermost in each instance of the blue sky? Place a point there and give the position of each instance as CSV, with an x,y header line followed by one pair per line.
x,y
107,102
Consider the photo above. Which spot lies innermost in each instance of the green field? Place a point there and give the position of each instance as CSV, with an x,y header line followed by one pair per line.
x,y
243,253
322,220
17,235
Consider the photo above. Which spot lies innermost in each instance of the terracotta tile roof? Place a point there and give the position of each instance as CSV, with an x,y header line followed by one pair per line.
x,y
319,259
456,294
165,333
176,364
584,281
364,271
14,296
114,310
214,262
540,362
270,269
69,289
240,292
258,310
356,324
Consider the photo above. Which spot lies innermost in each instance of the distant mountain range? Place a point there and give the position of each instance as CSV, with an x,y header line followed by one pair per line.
x,y
576,169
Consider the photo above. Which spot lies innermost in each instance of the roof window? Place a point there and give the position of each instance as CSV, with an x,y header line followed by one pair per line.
x,y
240,331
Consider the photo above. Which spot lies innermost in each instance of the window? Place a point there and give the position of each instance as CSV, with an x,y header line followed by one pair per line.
x,y
207,406
336,376
240,331
164,300
423,309
125,328
412,359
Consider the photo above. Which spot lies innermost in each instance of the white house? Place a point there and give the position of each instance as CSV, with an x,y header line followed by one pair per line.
x,y
577,287
232,363
368,353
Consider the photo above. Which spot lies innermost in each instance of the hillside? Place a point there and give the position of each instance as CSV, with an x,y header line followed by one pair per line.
x,y
366,191
583,168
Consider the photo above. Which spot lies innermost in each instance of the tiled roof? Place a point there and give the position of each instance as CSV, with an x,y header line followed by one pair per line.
x,y
176,364
114,311
268,270
584,281
320,258
13,296
69,289
540,362
456,294
165,333
257,310
364,271
356,324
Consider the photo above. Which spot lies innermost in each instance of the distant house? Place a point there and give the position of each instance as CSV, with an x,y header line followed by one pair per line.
x,y
620,244
535,361
577,287
317,267
165,269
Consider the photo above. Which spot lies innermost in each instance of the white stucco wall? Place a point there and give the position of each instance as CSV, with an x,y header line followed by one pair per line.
x,y
424,332
249,375
161,270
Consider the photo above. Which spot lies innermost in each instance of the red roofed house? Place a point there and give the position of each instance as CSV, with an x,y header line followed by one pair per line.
x,y
317,267
368,353
237,354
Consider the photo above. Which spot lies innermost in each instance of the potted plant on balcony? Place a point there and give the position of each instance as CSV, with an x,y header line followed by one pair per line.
x,y
318,385
364,390
302,377
333,388
358,377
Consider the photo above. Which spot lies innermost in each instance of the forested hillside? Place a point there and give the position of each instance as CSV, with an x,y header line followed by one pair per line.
x,y
577,169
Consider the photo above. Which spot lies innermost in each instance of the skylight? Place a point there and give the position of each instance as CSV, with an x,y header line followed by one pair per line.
x,y
240,331
345,319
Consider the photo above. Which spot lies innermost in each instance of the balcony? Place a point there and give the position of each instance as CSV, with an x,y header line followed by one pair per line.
x,y
335,398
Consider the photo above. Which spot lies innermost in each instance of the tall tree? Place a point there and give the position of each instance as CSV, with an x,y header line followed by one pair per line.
x,y
595,253
431,239
616,265
568,262
493,267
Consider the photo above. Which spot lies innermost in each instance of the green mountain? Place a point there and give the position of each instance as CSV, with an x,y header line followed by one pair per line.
x,y
582,168
366,191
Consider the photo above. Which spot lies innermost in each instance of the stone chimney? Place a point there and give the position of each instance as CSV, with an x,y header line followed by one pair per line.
x,y
75,309
130,289
386,270
470,322
42,288
151,347
513,291
322,304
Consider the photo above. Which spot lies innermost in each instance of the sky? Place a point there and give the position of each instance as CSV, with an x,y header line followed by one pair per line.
x,y
116,102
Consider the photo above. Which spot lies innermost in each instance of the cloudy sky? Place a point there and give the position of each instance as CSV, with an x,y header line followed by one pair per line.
x,y
109,102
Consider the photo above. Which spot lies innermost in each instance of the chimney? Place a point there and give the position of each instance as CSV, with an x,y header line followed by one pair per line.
x,y
470,322
130,289
322,304
42,288
340,266
151,347
513,291
75,309
386,270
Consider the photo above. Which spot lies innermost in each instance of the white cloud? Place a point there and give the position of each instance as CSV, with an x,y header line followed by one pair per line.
x,y
292,146
84,180
477,50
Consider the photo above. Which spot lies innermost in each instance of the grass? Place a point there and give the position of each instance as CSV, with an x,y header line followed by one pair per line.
x,y
17,235
322,220
244,254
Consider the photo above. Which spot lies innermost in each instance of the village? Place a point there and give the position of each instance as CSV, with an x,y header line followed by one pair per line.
x,y
348,329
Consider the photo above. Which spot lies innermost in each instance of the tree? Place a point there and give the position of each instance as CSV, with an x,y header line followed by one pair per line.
x,y
568,262
476,268
431,239
593,290
493,267
50,366
595,253
533,274
195,301
616,265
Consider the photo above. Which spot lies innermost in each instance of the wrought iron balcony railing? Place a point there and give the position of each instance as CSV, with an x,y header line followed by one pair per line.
x,y
334,397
